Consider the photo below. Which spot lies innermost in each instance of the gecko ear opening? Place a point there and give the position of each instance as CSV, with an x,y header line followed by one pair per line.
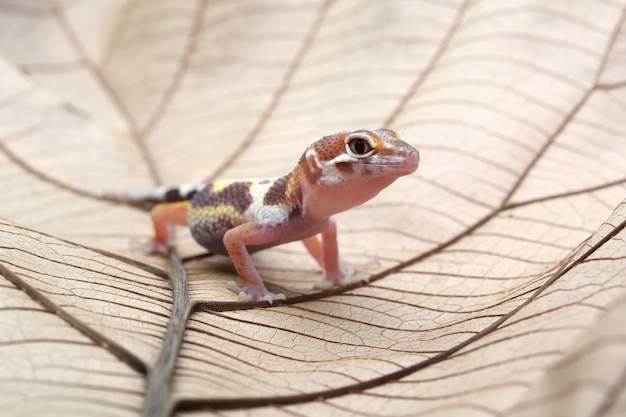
x,y
360,145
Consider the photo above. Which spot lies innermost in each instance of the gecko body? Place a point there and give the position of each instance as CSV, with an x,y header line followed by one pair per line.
x,y
239,217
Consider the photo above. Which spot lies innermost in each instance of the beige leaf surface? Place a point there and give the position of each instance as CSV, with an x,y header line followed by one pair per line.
x,y
500,287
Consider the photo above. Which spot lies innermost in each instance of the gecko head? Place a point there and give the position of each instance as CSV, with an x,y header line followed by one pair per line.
x,y
360,155
378,153
351,167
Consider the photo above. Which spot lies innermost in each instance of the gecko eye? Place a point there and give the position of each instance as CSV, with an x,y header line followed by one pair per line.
x,y
359,146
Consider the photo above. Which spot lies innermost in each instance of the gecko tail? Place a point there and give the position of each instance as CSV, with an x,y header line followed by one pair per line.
x,y
157,195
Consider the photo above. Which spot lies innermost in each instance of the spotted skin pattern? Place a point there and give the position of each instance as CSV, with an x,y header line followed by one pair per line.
x,y
239,217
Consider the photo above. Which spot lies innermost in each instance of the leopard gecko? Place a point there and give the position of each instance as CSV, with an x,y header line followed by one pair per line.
x,y
239,217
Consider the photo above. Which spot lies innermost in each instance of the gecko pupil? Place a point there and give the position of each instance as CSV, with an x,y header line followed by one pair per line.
x,y
360,146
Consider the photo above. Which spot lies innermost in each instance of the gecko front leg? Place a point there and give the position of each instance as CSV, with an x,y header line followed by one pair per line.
x,y
326,254
235,241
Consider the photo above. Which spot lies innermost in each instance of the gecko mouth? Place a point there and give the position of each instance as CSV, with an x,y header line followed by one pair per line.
x,y
389,165
410,166
387,170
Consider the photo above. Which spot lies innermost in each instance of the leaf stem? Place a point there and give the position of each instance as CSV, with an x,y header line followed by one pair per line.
x,y
158,385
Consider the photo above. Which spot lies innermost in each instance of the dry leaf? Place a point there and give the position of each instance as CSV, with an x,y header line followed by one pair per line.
x,y
501,285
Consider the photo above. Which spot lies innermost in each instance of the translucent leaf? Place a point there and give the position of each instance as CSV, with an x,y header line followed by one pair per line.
x,y
502,264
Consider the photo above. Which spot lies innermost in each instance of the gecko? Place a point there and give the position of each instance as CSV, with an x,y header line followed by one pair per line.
x,y
242,216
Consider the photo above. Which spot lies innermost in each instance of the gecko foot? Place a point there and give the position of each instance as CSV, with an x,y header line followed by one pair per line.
x,y
249,293
345,275
325,283
149,246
